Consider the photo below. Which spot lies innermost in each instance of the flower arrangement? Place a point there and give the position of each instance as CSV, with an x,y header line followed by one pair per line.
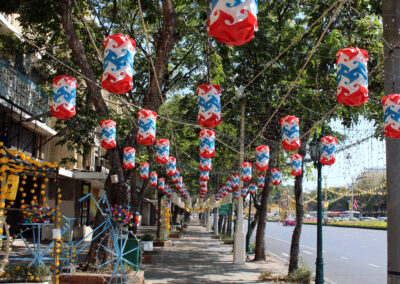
x,y
122,214
37,213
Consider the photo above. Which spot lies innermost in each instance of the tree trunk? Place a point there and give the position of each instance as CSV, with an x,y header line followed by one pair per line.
x,y
298,191
254,223
159,196
262,220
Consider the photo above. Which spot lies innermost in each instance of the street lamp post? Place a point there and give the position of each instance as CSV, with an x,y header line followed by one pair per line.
x,y
315,149
248,236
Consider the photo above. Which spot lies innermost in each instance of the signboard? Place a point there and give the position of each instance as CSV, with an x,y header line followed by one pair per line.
x,y
224,209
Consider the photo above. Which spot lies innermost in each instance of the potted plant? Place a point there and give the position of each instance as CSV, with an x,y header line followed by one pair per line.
x,y
147,242
26,274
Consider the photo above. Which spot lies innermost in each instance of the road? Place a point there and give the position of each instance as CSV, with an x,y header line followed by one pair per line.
x,y
351,256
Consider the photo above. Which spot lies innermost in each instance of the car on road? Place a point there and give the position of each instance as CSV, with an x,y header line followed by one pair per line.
x,y
380,218
289,222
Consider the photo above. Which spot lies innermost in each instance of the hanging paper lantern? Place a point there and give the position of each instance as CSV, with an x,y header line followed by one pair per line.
x,y
209,105
244,192
146,127
290,133
233,22
262,158
162,148
236,195
224,192
108,134
144,170
119,51
352,76
252,188
228,185
295,164
129,158
179,185
328,150
246,171
391,120
203,183
260,180
235,181
204,175
205,164
207,143
64,93
171,166
276,176
175,177
203,190
153,179
161,184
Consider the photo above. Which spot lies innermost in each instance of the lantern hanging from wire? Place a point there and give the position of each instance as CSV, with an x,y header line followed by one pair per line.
x,y
179,185
235,181
153,179
203,190
129,158
252,188
108,134
203,183
352,76
260,180
217,196
276,176
144,170
328,150
146,127
244,191
161,184
171,166
119,51
204,175
233,22
236,194
245,171
175,177
295,164
209,105
64,94
391,120
262,158
205,164
162,151
223,192
207,143
228,185
290,133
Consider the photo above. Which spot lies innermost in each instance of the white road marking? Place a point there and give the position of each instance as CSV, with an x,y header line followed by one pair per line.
x,y
373,265
307,247
343,257
307,252
285,254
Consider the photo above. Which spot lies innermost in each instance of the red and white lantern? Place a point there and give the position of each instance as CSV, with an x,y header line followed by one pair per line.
x,y
228,185
203,183
207,143
209,105
262,158
175,178
161,184
205,164
296,161
290,133
146,127
144,170
64,97
276,176
245,171
235,181
108,134
119,51
162,149
391,120
260,180
328,150
153,179
352,76
129,158
171,166
204,175
252,188
244,192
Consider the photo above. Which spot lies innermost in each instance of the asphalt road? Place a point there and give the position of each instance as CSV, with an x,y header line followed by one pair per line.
x,y
351,256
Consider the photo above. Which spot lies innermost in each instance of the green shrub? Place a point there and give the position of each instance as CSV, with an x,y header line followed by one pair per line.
x,y
147,237
227,240
23,273
303,274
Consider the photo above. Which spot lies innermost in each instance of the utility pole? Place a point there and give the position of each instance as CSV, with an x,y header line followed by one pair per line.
x,y
391,26
326,198
239,255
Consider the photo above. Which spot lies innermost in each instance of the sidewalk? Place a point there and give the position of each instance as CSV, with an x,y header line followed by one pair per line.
x,y
196,258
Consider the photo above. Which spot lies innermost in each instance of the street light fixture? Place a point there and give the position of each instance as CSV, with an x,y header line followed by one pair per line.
x,y
315,152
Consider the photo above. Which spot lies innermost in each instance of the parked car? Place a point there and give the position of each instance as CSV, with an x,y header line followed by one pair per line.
x,y
289,222
380,218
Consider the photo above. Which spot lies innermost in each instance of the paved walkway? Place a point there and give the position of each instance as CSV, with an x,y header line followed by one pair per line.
x,y
196,258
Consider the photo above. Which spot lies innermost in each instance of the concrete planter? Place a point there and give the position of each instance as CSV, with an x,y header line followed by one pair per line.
x,y
94,278
162,243
175,236
147,245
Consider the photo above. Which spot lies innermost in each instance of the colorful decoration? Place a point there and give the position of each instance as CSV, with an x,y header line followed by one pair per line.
x,y
245,171
171,166
228,185
260,180
108,134
119,51
207,143
352,76
146,127
244,191
179,185
252,188
203,190
276,176
175,177
161,184
209,105
205,164
144,170
129,158
37,213
328,150
233,22
295,164
153,179
262,158
122,214
204,175
235,181
203,183
162,148
391,120
290,133
167,191
64,93
236,194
